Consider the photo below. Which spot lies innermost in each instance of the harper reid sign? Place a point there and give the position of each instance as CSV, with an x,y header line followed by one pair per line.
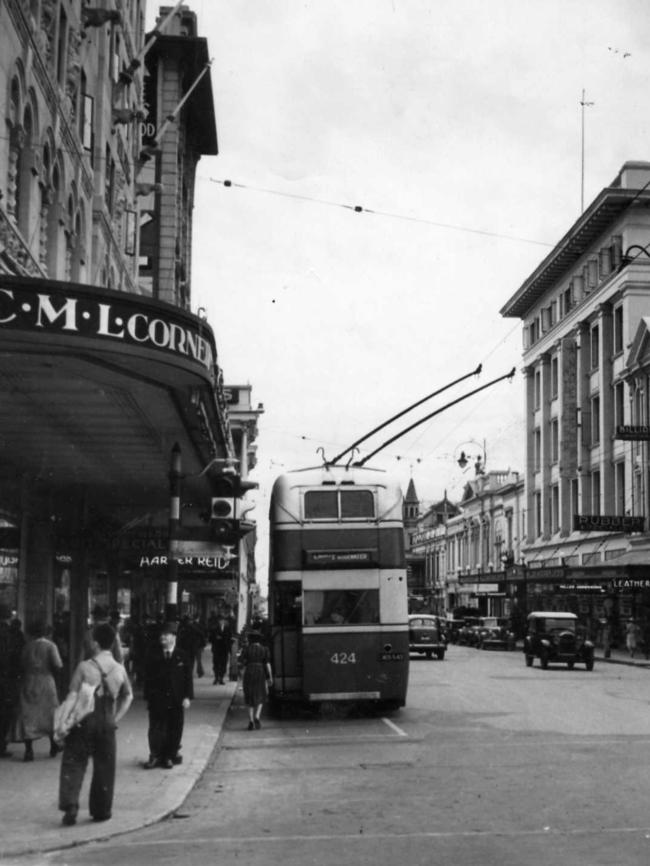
x,y
87,311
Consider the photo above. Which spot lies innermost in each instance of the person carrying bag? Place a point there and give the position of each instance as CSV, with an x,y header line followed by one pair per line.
x,y
100,694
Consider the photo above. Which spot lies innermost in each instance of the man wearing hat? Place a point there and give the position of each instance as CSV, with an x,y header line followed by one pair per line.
x,y
168,690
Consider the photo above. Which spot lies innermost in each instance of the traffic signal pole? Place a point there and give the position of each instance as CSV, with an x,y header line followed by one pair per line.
x,y
171,608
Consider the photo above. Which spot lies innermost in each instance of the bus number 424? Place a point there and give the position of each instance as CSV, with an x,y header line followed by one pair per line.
x,y
343,658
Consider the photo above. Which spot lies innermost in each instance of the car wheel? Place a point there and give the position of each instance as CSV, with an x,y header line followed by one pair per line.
x,y
543,659
529,661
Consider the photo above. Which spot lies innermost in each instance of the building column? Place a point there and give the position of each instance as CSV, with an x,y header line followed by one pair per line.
x,y
529,487
607,409
568,426
545,428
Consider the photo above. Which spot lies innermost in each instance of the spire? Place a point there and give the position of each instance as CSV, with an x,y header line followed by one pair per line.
x,y
411,495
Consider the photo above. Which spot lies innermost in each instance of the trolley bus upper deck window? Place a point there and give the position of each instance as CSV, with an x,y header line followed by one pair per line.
x,y
339,505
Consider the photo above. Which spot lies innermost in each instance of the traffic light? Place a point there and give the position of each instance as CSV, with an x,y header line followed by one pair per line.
x,y
225,509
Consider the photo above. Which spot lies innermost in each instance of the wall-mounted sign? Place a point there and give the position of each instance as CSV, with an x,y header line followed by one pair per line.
x,y
633,433
43,306
608,523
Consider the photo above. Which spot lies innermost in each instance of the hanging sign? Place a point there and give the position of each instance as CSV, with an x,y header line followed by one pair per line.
x,y
633,433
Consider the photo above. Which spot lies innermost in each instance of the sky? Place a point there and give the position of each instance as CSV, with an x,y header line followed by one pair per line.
x,y
457,126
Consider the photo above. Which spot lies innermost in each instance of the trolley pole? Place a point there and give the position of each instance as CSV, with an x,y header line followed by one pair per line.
x,y
171,608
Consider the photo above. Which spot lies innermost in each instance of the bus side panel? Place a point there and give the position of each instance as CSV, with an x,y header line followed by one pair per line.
x,y
356,666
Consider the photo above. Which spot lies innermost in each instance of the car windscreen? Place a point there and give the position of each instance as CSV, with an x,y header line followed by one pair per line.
x,y
564,624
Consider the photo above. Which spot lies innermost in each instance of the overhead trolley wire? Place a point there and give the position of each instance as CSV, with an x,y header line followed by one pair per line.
x,y
361,209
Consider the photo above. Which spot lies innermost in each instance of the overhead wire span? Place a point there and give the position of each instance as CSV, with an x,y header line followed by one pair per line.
x,y
362,209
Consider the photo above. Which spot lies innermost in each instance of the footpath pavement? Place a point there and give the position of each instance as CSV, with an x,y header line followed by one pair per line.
x,y
29,818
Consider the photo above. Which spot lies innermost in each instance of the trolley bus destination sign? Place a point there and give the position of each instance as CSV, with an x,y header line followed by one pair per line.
x,y
340,557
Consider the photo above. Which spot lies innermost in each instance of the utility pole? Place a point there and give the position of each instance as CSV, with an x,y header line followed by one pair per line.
x,y
583,104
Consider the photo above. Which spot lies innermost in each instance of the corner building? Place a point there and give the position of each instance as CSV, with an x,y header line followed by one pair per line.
x,y
105,372
583,311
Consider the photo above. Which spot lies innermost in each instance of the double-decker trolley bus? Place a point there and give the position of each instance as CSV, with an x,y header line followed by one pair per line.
x,y
337,587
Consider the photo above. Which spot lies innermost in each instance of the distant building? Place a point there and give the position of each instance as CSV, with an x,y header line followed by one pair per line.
x,y
584,313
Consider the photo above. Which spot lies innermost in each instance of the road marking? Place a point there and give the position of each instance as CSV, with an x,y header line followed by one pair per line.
x,y
394,727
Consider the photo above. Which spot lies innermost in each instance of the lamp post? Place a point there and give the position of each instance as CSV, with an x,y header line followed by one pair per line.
x,y
464,456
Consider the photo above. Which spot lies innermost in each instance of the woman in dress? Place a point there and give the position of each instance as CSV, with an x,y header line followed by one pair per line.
x,y
257,673
38,696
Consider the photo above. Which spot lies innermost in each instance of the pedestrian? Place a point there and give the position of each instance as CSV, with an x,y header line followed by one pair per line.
x,y
191,640
220,638
168,690
256,662
631,636
606,637
11,644
94,737
40,665
100,616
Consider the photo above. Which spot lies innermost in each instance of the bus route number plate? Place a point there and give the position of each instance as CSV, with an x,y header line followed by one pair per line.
x,y
391,657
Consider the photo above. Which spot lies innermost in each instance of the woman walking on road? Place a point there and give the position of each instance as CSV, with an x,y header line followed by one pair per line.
x,y
257,673
41,662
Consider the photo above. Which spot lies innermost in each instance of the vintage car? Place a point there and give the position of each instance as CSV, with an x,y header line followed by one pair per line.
x,y
468,633
452,626
495,633
554,636
426,636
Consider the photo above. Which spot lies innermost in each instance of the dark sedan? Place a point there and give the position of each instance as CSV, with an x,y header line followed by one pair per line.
x,y
426,636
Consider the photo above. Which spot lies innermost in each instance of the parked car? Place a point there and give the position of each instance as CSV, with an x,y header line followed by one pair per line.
x,y
495,633
554,636
467,634
452,627
426,636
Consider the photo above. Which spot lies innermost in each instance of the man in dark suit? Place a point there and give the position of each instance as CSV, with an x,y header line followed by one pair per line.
x,y
220,638
168,690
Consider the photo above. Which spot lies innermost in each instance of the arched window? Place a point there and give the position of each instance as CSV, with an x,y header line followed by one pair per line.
x,y
55,234
25,180
79,252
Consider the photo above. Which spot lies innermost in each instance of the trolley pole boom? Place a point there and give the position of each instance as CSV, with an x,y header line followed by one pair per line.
x,y
432,415
335,460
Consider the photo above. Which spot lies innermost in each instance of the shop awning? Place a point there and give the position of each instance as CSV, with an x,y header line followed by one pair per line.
x,y
97,386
